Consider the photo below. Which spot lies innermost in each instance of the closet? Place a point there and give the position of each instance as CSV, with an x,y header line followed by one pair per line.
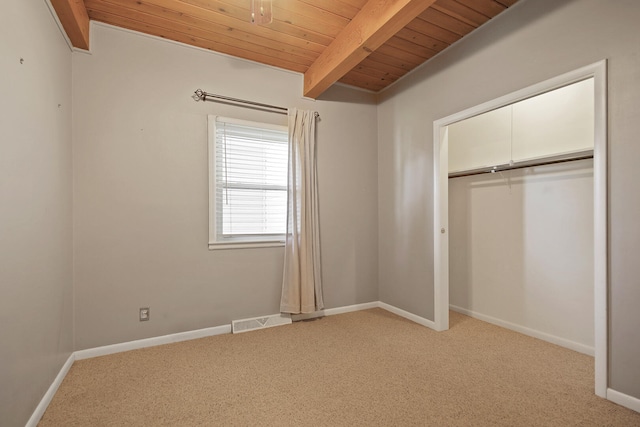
x,y
521,203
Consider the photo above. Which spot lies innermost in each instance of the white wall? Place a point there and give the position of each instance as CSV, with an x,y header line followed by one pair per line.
x,y
521,249
531,42
140,190
35,207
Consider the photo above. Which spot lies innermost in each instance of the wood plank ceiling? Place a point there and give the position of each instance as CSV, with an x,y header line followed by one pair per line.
x,y
364,43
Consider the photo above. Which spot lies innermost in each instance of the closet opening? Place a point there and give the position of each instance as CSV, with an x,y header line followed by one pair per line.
x,y
520,229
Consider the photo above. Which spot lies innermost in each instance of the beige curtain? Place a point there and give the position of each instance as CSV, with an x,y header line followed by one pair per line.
x,y
302,282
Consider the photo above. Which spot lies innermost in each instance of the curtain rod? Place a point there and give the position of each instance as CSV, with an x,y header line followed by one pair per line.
x,y
279,110
580,155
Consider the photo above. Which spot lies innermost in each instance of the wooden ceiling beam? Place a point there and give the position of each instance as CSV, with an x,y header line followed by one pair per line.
x,y
377,21
75,21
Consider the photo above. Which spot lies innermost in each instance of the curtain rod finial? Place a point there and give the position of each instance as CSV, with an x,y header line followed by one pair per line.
x,y
200,94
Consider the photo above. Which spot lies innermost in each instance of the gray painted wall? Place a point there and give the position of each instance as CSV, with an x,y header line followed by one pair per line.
x,y
533,41
35,208
140,190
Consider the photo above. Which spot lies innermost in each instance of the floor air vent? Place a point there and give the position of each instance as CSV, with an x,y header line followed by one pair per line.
x,y
246,325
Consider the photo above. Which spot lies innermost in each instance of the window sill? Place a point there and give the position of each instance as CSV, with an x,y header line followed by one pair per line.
x,y
244,245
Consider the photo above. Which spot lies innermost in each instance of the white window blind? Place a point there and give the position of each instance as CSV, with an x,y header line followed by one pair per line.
x,y
248,181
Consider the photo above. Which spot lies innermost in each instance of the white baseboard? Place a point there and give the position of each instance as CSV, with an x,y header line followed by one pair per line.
x,y
623,400
190,335
150,342
350,308
365,306
48,396
572,345
334,311
415,318
201,333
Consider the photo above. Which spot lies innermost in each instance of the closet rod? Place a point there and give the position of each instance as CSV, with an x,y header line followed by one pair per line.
x,y
561,158
279,110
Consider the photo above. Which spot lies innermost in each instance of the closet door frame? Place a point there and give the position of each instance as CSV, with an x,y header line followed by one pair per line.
x,y
597,71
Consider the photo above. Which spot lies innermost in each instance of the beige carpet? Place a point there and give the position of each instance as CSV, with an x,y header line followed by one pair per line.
x,y
367,368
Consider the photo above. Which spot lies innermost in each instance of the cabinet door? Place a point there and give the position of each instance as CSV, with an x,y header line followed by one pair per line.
x,y
556,122
480,141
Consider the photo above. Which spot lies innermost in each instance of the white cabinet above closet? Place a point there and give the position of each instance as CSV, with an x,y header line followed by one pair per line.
x,y
481,141
554,123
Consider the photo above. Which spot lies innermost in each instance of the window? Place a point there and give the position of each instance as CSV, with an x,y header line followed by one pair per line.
x,y
247,183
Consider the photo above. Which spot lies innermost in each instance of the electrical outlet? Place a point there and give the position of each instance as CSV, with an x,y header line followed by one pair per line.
x,y
144,314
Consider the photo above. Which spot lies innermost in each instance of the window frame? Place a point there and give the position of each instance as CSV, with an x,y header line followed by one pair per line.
x,y
215,216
